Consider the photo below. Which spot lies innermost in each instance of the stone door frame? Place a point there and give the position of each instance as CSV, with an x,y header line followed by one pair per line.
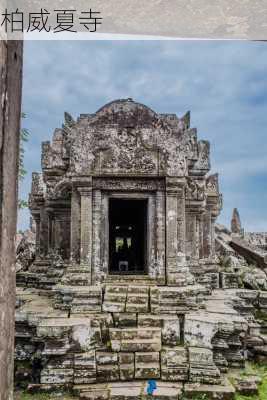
x,y
150,218
151,190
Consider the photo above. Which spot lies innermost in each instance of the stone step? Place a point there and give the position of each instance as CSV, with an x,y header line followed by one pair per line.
x,y
39,269
76,279
78,299
77,269
136,308
116,289
135,339
85,309
138,290
134,280
131,299
223,391
115,297
113,307
129,391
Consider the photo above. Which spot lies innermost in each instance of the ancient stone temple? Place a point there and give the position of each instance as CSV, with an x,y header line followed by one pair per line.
x,y
133,289
125,191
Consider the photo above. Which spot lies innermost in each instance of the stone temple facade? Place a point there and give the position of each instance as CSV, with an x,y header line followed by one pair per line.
x,y
127,173
126,285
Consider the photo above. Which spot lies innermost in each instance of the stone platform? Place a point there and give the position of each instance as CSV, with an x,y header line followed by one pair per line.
x,y
119,333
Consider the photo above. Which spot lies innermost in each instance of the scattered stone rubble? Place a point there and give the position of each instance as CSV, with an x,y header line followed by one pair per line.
x,y
185,321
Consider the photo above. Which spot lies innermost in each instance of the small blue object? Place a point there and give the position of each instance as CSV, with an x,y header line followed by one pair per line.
x,y
151,386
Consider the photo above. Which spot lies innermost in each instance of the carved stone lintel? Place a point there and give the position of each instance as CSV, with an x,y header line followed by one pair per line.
x,y
128,184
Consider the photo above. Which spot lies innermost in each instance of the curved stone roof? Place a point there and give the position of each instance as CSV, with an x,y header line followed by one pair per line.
x,y
126,105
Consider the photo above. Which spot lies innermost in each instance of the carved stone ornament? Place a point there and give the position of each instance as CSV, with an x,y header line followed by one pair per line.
x,y
195,190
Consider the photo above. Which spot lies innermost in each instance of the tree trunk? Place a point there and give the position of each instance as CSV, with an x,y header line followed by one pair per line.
x,y
10,110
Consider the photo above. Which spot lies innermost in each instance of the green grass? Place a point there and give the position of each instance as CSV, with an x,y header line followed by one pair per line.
x,y
261,315
22,395
261,371
27,396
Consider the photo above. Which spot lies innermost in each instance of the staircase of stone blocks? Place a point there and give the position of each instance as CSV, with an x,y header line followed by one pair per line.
x,y
42,274
116,338
37,271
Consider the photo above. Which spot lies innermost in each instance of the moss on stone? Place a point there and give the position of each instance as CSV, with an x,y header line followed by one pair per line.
x,y
24,395
261,315
261,371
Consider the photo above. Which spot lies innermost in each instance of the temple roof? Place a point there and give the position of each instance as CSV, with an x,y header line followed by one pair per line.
x,y
124,105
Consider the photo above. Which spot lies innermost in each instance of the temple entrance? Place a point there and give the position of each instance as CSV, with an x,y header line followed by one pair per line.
x,y
127,236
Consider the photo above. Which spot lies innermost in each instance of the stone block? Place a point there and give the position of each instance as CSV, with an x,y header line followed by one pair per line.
x,y
166,299
126,364
108,373
56,376
212,392
200,356
85,337
56,347
125,320
199,329
106,358
165,390
149,321
135,339
85,360
146,357
247,386
229,280
201,366
84,376
54,328
171,331
174,364
126,358
113,307
65,362
96,391
147,370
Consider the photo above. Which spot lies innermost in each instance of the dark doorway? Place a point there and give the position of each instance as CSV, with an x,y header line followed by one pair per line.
x,y
127,236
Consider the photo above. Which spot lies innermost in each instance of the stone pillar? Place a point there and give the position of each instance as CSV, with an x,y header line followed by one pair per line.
x,y
197,237
61,232
207,236
160,236
97,272
200,236
175,229
105,233
213,219
181,218
75,225
191,235
177,270
44,225
171,224
50,234
57,232
86,227
37,233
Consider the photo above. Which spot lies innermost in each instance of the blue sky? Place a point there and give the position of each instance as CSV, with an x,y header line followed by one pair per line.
x,y
223,83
